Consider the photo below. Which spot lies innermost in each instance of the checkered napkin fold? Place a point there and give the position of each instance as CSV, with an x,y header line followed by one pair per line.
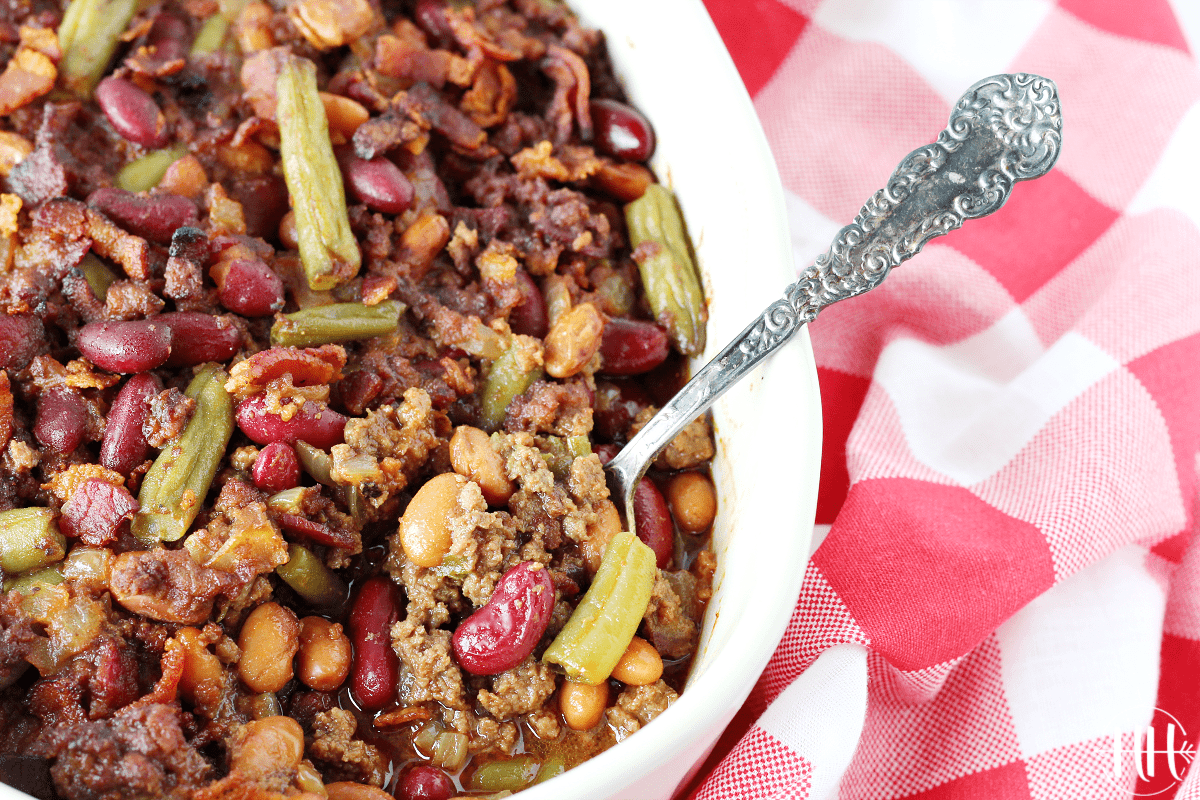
x,y
1007,604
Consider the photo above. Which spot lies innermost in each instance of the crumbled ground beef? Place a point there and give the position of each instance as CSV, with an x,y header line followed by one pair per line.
x,y
386,449
428,671
341,755
140,752
520,690
672,629
563,409
170,412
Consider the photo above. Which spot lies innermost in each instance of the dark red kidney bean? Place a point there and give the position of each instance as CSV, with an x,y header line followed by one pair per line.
x,y
664,381
652,519
132,112
251,288
61,419
617,404
167,39
374,669
316,424
378,183
276,468
155,217
198,338
529,316
264,201
124,446
95,511
631,347
426,782
504,632
21,337
606,452
136,345
621,131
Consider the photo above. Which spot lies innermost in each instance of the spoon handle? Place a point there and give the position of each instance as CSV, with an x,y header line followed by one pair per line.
x,y
1006,128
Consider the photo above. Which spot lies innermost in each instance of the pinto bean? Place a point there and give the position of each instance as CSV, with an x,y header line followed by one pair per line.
x,y
203,678
266,747
600,533
693,501
425,526
582,704
472,456
325,654
573,339
640,665
269,639
348,790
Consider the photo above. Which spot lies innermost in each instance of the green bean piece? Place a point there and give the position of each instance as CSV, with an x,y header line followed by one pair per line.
x,y
513,774
334,323
669,275
560,452
554,766
455,568
88,36
603,624
579,446
289,501
316,462
328,248
263,705
211,36
511,374
178,481
28,584
29,539
310,578
143,174
98,276
356,504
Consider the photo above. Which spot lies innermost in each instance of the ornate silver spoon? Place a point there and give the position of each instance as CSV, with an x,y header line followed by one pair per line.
x,y
1006,128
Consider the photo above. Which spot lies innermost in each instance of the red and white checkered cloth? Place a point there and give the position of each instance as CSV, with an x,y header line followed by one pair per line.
x,y
1007,604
